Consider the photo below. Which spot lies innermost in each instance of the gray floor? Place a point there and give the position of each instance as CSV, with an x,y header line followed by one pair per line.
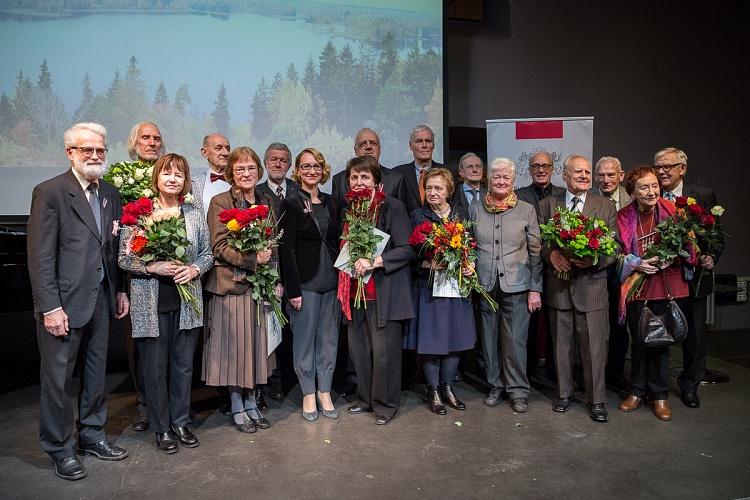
x,y
479,453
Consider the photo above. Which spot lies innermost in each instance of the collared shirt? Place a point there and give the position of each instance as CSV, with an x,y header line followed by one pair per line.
x,y
424,167
615,196
569,200
211,189
84,183
542,192
273,186
469,192
677,191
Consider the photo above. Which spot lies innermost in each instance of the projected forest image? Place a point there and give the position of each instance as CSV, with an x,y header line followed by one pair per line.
x,y
304,73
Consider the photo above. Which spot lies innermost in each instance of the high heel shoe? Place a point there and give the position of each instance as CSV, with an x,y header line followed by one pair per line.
x,y
450,397
332,414
436,404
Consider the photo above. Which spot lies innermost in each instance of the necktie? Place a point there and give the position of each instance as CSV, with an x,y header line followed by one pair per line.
x,y
216,177
574,204
669,195
474,196
421,186
280,192
94,204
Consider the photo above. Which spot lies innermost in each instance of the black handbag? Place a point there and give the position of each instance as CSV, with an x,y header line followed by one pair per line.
x,y
669,328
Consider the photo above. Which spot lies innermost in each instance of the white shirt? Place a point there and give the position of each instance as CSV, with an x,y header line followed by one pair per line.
x,y
273,187
83,182
677,191
211,189
569,200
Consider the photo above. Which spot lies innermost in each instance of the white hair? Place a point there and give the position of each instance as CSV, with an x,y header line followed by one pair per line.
x,y
680,154
70,134
572,157
133,139
609,159
420,128
502,164
466,157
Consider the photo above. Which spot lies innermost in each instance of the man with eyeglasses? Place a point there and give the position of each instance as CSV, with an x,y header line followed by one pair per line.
x,y
671,166
78,289
469,191
277,161
541,187
208,184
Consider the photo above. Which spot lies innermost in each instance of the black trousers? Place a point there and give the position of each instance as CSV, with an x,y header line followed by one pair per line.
x,y
88,345
618,338
694,346
167,364
376,354
649,366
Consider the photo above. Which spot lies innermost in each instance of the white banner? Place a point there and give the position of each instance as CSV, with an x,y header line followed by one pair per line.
x,y
519,138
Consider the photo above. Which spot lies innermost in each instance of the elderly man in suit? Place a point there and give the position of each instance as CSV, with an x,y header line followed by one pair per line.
x,y
540,168
608,174
208,184
578,306
77,289
422,145
469,191
277,161
671,166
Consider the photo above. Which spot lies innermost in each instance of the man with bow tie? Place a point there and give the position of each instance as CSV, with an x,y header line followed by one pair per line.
x,y
210,183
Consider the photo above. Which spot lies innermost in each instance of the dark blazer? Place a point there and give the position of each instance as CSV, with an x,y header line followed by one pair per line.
x,y
299,249
528,194
66,251
459,201
412,200
222,278
707,199
622,195
291,188
420,274
393,183
588,287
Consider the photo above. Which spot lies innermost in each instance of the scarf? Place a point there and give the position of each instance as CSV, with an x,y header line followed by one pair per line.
x,y
508,203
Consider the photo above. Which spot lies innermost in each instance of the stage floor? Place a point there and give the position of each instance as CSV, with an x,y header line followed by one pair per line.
x,y
478,453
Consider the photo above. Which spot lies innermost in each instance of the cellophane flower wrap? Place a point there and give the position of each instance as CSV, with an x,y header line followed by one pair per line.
x,y
159,234
451,247
578,236
359,232
132,179
252,230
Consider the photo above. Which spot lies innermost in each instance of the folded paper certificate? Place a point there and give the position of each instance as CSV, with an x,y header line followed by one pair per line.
x,y
342,263
273,331
445,286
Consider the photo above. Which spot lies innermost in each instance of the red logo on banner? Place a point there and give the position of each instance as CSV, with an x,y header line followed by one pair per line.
x,y
548,129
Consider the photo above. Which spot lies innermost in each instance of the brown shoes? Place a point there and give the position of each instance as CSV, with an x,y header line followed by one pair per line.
x,y
661,410
630,403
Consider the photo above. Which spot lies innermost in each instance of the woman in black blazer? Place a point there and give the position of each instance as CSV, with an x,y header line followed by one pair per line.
x,y
309,246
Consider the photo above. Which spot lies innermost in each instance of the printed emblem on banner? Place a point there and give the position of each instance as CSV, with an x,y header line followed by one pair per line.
x,y
523,161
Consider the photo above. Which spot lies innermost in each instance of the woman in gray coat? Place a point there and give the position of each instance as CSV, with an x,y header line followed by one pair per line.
x,y
164,326
509,267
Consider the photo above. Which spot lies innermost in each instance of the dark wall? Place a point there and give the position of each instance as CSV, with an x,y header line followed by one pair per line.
x,y
653,74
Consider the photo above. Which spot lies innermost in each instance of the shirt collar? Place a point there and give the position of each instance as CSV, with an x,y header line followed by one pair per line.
x,y
677,191
274,186
569,198
426,166
83,182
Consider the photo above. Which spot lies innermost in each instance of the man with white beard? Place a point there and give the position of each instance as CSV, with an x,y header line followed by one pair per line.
x,y
78,288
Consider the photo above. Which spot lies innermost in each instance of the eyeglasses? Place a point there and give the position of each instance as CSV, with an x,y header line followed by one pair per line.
x,y
540,166
311,166
364,144
475,166
89,152
246,170
668,167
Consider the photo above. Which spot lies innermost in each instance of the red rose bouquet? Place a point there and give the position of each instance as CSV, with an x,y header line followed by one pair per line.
x,y
578,236
158,234
252,230
451,247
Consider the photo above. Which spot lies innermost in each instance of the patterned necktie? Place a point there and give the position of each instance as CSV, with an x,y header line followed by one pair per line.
x,y
669,195
474,196
94,204
421,186
216,177
574,204
279,192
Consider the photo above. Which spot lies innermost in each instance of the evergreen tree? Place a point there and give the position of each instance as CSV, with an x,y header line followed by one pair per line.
x,y
133,83
221,111
276,85
161,98
310,76
87,98
388,58
261,121
7,115
115,86
22,99
291,74
44,83
182,98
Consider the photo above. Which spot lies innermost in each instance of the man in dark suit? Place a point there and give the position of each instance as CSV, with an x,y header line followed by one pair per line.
x,y
469,190
277,161
578,306
671,165
77,288
540,168
609,174
422,145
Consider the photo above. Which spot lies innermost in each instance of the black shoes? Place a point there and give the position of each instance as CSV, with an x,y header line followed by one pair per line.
x,y
561,405
186,437
260,399
166,442
69,468
246,426
436,404
384,419
358,410
450,397
103,450
494,397
140,423
598,412
690,399
261,422
519,405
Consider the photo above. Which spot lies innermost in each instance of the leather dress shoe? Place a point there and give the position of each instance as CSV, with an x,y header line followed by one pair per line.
x,y
519,405
69,468
275,389
662,410
630,403
358,410
247,427
166,442
186,437
260,399
103,450
494,397
262,422
561,405
598,412
140,423
383,419
690,399
450,397
436,404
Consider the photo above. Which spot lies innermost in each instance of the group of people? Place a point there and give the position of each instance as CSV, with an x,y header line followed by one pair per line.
x,y
84,273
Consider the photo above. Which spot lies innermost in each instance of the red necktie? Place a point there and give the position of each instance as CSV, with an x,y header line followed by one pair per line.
x,y
216,177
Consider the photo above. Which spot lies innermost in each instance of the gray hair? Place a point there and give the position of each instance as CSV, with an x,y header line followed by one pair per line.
x,y
277,146
680,154
572,157
362,131
208,136
466,157
541,152
609,159
69,135
502,164
133,139
420,128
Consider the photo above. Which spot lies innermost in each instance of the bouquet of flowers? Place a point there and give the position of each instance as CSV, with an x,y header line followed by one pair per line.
x,y
158,234
359,232
578,236
450,246
132,179
678,237
252,230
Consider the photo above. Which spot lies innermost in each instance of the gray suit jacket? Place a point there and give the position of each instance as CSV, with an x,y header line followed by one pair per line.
x,y
66,251
622,194
508,248
528,194
586,290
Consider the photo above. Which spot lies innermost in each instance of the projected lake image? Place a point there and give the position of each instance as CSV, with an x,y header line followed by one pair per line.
x,y
308,74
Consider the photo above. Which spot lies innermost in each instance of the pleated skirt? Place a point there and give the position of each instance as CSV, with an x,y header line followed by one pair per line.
x,y
235,346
